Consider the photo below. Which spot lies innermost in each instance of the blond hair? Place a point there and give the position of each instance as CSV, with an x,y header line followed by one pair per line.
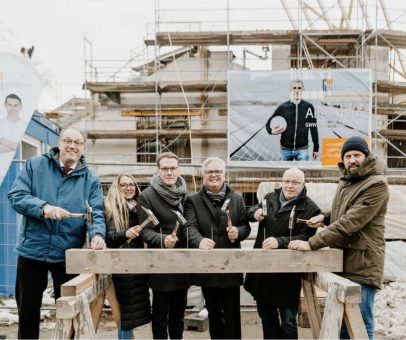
x,y
115,205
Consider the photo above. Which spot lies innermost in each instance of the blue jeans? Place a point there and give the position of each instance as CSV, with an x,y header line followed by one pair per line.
x,y
125,334
367,311
272,328
297,155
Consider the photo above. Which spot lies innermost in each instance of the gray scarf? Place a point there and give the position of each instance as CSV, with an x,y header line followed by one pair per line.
x,y
172,196
216,197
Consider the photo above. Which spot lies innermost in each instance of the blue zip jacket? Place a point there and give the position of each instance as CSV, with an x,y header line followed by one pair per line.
x,y
41,181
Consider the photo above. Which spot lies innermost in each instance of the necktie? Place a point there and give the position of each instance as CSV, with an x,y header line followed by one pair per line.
x,y
65,171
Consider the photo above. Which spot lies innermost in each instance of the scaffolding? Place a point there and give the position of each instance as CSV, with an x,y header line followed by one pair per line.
x,y
172,92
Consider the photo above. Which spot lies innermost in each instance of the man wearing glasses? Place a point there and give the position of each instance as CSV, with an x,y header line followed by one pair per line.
x,y
208,227
44,192
293,120
166,194
278,294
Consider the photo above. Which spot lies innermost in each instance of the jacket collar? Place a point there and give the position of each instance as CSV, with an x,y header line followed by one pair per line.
x,y
53,155
208,203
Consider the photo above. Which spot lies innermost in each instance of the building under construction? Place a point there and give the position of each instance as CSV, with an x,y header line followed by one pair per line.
x,y
171,95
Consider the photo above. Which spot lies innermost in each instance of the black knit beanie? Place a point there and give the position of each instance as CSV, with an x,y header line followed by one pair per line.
x,y
355,144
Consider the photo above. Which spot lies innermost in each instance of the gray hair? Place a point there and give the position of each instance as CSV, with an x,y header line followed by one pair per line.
x,y
75,129
211,160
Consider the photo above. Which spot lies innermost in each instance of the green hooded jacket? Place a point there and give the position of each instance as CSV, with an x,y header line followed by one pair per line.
x,y
356,222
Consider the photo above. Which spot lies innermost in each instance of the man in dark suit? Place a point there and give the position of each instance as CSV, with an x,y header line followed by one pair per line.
x,y
207,228
166,193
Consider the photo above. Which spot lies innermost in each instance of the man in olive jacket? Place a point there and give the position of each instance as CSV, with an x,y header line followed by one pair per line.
x,y
207,228
356,222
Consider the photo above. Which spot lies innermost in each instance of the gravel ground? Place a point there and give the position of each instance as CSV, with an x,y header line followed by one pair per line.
x,y
390,321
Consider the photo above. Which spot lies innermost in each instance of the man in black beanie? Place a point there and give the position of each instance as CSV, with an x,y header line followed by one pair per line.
x,y
356,223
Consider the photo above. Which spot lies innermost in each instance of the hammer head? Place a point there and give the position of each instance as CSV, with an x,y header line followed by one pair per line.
x,y
226,203
180,217
89,213
292,218
151,216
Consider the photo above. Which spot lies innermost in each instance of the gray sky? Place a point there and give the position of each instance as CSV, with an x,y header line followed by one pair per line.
x,y
56,28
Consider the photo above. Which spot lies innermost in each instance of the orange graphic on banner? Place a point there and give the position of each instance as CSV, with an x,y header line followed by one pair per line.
x,y
331,150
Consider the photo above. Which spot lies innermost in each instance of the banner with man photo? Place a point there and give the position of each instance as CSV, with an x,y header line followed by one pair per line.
x,y
283,116
20,88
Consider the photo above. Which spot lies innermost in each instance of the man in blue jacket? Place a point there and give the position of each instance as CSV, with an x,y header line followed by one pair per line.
x,y
45,191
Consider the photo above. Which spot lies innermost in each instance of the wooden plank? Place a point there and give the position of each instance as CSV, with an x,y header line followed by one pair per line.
x,y
333,316
162,113
96,308
63,329
77,285
114,305
68,306
313,307
116,261
346,290
354,322
85,328
151,133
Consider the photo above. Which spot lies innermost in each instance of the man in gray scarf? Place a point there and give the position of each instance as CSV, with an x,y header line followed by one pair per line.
x,y
208,228
166,193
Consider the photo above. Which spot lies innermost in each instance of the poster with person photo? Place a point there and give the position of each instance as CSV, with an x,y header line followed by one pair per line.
x,y
20,89
276,118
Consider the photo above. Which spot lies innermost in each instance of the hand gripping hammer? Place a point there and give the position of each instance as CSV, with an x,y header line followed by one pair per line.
x,y
150,218
225,209
180,221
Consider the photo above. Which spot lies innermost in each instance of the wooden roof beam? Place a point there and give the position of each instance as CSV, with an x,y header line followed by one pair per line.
x,y
147,134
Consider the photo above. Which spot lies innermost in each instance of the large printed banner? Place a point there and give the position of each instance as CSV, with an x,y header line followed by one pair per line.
x,y
276,118
20,88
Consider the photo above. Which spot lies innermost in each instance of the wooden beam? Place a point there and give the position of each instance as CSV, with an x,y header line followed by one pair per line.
x,y
312,304
347,291
332,316
162,113
117,261
392,134
152,87
77,285
145,134
354,322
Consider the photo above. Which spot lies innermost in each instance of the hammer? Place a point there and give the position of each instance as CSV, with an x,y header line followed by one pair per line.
x,y
180,221
264,208
151,218
225,209
291,222
88,215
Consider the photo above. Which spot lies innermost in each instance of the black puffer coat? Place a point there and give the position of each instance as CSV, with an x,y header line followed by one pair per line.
x,y
205,220
131,289
282,289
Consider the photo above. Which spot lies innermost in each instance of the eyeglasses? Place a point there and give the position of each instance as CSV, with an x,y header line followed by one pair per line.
x,y
173,169
297,88
213,172
68,141
126,185
287,182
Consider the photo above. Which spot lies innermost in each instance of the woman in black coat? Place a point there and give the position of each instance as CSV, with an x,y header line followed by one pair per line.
x,y
123,232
